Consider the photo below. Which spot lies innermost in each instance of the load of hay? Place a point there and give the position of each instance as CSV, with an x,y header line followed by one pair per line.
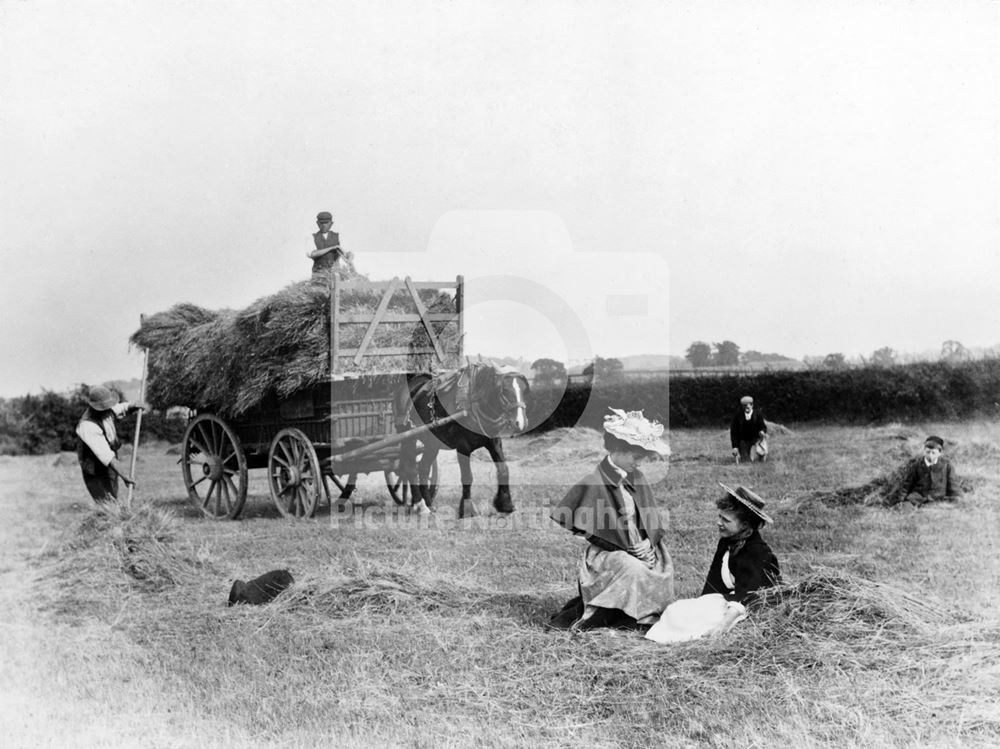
x,y
228,361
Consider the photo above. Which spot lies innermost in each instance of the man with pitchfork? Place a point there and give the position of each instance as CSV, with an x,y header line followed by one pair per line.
x,y
98,443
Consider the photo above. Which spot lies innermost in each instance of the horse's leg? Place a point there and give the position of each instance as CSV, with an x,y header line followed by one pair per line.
x,y
502,501
466,508
408,469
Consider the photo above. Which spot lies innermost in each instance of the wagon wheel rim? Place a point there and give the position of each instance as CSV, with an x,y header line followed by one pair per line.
x,y
399,490
214,467
293,474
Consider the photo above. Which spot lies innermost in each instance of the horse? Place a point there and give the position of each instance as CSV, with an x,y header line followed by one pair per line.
x,y
493,398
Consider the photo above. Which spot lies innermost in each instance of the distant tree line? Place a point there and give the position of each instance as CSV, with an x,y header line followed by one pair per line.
x,y
46,423
549,373
728,354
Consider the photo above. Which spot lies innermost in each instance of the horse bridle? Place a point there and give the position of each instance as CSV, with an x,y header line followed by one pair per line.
x,y
509,404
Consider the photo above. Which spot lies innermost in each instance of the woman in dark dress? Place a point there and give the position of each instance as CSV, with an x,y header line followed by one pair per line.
x,y
743,564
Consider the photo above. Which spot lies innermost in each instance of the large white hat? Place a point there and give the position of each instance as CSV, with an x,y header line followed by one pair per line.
x,y
635,429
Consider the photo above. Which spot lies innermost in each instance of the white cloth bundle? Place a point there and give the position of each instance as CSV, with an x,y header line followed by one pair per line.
x,y
691,618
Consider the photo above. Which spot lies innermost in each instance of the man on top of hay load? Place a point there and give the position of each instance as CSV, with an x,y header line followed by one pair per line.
x,y
928,479
98,443
748,433
328,252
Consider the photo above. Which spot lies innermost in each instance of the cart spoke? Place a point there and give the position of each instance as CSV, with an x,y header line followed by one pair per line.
x,y
232,484
207,442
288,455
208,495
217,437
193,485
225,490
199,445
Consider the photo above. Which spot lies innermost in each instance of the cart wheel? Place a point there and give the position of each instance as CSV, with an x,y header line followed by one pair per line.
x,y
214,467
400,490
293,474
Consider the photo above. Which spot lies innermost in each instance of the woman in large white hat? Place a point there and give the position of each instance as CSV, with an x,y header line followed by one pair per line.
x,y
626,576
743,565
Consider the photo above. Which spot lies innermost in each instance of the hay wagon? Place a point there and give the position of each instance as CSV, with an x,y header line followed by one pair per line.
x,y
327,433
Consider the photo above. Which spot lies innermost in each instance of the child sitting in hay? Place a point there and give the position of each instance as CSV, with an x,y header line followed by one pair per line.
x,y
928,479
743,565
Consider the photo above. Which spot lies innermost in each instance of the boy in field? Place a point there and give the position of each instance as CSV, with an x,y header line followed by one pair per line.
x,y
929,479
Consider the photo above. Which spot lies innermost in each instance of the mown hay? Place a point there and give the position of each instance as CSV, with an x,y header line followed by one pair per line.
x,y
228,361
382,592
115,544
836,627
879,491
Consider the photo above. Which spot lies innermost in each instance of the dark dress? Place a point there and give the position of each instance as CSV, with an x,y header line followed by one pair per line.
x,y
752,565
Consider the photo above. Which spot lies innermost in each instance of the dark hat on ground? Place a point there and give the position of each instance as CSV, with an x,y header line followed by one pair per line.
x,y
749,500
101,398
324,216
261,589
935,441
745,399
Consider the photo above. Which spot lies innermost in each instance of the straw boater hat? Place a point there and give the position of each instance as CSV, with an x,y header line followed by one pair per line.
x,y
101,398
635,429
745,399
749,500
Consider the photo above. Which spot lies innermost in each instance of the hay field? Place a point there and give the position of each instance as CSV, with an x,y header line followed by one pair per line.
x,y
428,633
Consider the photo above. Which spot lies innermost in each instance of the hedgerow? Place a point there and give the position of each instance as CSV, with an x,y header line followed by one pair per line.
x,y
923,391
46,423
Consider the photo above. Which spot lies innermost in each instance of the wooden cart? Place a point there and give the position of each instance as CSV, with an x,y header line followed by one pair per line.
x,y
329,433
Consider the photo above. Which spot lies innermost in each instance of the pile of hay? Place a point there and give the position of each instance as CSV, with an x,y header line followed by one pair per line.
x,y
120,546
879,491
228,361
379,592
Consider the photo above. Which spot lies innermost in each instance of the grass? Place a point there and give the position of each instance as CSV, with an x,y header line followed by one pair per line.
x,y
409,632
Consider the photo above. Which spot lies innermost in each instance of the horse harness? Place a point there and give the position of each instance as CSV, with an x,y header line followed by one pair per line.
x,y
454,391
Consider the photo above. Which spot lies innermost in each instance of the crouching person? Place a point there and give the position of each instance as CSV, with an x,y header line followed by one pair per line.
x,y
743,564
929,479
626,577
98,443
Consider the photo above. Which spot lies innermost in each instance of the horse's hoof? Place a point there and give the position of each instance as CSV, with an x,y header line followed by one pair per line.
x,y
420,508
503,506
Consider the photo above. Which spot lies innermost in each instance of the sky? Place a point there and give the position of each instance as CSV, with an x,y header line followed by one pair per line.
x,y
609,178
